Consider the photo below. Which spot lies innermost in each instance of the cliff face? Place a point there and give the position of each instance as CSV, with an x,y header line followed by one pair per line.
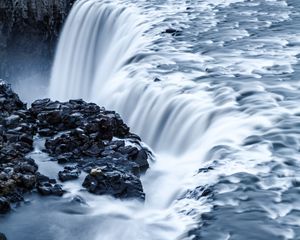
x,y
29,31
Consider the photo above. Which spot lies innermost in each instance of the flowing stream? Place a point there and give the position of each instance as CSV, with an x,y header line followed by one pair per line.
x,y
212,86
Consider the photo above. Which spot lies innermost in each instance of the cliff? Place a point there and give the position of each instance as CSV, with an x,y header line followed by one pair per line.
x,y
29,31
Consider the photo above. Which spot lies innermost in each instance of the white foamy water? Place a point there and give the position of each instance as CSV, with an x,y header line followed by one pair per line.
x,y
217,102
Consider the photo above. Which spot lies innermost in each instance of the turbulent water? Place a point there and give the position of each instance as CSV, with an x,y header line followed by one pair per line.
x,y
217,101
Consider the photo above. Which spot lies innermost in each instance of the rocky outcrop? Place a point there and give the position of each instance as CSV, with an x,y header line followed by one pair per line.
x,y
95,139
18,173
29,31
82,136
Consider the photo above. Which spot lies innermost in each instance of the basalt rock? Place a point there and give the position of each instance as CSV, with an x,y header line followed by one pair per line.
x,y
92,137
9,101
83,135
69,173
112,181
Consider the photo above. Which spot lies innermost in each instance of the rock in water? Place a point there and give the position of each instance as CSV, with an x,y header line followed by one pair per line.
x,y
84,135
112,181
92,137
69,173
4,205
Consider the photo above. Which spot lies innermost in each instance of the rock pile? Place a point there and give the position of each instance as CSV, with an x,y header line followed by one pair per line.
x,y
82,136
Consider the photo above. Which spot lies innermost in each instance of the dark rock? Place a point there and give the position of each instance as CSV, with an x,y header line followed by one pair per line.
x,y
28,181
110,181
65,158
204,170
142,160
40,178
4,205
46,132
47,188
9,101
12,121
93,151
129,150
40,102
69,173
173,31
91,138
26,139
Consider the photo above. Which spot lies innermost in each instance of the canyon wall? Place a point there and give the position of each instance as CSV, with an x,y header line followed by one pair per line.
x,y
29,31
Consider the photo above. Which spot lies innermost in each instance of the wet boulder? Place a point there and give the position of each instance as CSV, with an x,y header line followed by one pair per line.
x,y
173,32
111,181
9,101
69,173
16,178
4,205
47,186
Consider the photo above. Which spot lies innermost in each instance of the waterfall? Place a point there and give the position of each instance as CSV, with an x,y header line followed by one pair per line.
x,y
102,56
213,88
98,42
97,39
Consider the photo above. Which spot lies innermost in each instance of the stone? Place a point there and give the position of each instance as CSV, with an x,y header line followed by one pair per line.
x,y
26,138
12,121
69,173
28,181
142,160
83,134
4,205
48,188
111,181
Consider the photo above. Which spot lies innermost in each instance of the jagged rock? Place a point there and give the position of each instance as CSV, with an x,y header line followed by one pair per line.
x,y
69,173
48,188
88,141
9,101
111,181
173,31
93,139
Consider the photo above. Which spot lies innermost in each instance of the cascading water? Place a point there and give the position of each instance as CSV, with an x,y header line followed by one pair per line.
x,y
123,60
93,48
217,101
